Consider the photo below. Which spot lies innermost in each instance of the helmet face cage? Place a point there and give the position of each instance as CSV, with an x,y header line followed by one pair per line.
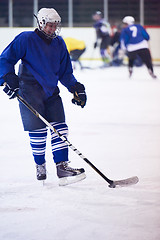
x,y
58,29
49,15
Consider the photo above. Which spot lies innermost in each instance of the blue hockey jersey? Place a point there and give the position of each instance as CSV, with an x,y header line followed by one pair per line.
x,y
134,37
102,28
48,63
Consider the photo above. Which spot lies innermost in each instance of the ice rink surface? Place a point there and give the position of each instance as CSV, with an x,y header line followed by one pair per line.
x,y
119,132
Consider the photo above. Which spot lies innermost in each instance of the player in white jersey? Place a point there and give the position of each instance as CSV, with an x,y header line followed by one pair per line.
x,y
134,39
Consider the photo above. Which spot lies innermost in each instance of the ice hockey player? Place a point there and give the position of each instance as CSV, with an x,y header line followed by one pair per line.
x,y
103,31
75,48
117,53
134,39
44,62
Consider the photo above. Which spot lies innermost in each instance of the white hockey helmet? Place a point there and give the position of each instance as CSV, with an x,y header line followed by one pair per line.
x,y
128,20
48,15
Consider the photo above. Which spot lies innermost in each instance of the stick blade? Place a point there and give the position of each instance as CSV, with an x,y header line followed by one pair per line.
x,y
124,182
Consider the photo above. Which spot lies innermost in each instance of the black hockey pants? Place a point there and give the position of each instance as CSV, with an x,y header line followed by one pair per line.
x,y
145,56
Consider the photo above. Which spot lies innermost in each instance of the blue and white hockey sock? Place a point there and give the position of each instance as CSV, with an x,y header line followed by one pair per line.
x,y
38,144
59,147
105,55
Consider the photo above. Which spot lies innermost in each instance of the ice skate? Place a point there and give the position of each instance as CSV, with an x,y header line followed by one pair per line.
x,y
41,171
130,72
68,175
152,74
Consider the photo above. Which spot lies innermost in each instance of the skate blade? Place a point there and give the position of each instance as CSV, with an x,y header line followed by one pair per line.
x,y
69,180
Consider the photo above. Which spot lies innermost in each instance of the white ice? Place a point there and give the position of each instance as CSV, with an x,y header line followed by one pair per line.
x,y
119,132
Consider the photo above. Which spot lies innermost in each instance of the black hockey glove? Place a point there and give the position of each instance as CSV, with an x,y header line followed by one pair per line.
x,y
11,85
79,94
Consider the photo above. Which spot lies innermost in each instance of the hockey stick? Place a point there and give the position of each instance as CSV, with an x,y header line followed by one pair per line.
x,y
112,184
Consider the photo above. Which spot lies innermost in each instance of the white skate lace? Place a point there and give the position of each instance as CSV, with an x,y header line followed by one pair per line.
x,y
67,167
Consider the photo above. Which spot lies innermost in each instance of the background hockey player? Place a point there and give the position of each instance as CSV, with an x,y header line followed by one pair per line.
x,y
134,39
45,61
117,53
103,32
75,48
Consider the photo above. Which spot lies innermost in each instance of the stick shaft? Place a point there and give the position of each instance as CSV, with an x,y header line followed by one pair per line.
x,y
63,138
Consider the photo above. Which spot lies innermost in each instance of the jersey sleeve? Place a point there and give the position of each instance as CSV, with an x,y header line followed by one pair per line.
x,y
124,37
66,76
145,34
11,55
